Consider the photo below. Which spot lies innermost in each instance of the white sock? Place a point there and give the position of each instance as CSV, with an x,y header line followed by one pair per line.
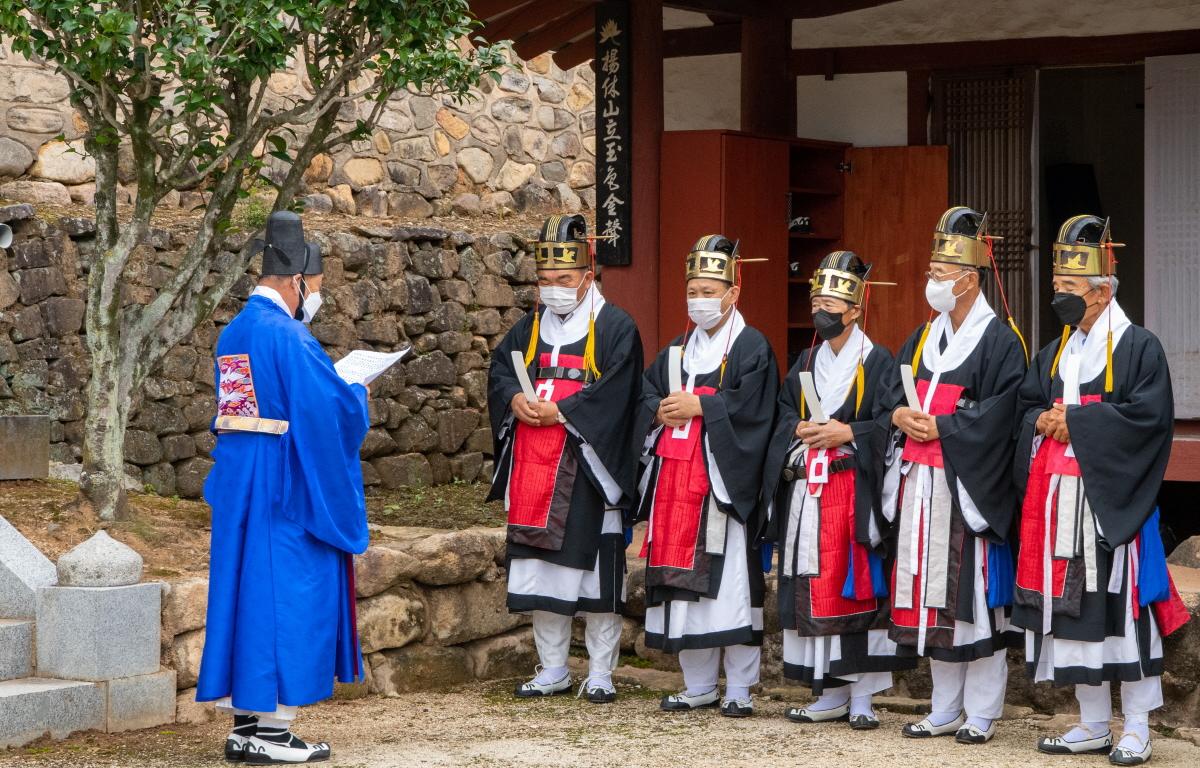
x,y
601,681
699,691
1139,728
831,700
737,692
861,705
1086,731
982,723
550,675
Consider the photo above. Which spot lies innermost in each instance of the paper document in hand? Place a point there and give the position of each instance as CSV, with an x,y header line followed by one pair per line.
x,y
809,387
910,387
518,361
363,367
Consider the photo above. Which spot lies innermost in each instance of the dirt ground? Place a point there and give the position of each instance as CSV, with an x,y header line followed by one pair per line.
x,y
172,535
483,725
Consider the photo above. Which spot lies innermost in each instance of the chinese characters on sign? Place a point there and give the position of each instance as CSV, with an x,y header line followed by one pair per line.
x,y
613,133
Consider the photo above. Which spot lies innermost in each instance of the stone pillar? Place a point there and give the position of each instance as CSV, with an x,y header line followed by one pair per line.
x,y
24,447
101,625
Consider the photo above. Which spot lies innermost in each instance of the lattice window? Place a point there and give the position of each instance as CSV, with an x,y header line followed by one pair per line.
x,y
986,120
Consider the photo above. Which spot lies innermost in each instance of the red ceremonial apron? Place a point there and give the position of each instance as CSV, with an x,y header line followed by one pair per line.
x,y
537,482
1050,459
678,496
927,452
837,548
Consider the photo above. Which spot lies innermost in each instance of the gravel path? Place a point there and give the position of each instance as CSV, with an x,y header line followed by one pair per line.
x,y
482,725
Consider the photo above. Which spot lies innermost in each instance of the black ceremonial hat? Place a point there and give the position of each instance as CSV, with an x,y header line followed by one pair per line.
x,y
840,275
562,243
285,252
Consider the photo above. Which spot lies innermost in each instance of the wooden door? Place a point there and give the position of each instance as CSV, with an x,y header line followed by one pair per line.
x,y
986,120
893,200
755,214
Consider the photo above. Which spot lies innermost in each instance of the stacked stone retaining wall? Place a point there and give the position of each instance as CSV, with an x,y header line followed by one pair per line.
x,y
450,295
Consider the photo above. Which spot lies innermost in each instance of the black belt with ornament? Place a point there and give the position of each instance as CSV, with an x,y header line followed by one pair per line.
x,y
562,372
797,471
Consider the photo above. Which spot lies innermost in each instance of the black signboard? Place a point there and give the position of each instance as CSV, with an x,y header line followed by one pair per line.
x,y
613,113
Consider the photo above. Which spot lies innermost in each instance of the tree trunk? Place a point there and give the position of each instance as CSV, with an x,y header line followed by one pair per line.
x,y
103,478
102,481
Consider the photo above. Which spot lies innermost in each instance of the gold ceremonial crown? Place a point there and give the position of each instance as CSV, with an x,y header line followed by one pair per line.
x,y
831,280
706,260
957,248
562,244
1082,248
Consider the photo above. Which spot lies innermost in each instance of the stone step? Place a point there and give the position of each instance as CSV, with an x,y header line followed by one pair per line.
x,y
16,648
31,707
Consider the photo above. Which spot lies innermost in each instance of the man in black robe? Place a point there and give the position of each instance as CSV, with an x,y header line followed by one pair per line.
x,y
952,582
1097,417
563,461
824,477
708,404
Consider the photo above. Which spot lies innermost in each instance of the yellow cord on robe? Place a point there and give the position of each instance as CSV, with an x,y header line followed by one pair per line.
x,y
1061,346
802,405
860,379
916,361
1108,367
721,378
589,349
531,350
1024,347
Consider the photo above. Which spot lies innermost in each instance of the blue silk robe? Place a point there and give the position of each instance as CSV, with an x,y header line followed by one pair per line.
x,y
287,515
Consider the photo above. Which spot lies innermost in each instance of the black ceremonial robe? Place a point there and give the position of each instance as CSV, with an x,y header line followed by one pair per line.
x,y
738,411
565,528
975,408
1121,441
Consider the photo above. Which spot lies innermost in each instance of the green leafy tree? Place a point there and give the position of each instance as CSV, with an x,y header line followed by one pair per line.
x,y
180,87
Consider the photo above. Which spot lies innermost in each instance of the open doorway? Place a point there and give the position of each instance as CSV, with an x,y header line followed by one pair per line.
x,y
1090,142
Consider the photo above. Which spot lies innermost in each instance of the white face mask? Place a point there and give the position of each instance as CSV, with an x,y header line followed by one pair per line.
x,y
940,294
312,302
705,313
559,300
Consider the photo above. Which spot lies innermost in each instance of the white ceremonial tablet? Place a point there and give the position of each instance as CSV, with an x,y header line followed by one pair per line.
x,y
518,361
910,387
362,366
675,368
809,388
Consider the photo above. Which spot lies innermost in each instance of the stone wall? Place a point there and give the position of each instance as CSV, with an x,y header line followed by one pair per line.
x,y
524,143
451,295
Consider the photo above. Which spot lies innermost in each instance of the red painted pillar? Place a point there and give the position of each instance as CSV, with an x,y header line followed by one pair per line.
x,y
635,288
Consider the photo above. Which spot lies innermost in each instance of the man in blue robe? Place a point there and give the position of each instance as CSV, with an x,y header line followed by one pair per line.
x,y
287,512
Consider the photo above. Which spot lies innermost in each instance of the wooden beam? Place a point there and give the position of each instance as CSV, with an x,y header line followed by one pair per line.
x,y
576,53
555,34
764,73
702,41
918,107
1032,51
490,9
786,9
531,16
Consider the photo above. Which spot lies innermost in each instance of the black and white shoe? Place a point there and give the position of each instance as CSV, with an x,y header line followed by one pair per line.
x,y
533,689
681,702
864,722
925,729
806,715
1059,745
973,734
737,707
260,751
235,748
1131,750
596,692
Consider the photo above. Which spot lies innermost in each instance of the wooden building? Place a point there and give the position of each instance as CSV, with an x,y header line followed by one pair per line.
x,y
870,118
